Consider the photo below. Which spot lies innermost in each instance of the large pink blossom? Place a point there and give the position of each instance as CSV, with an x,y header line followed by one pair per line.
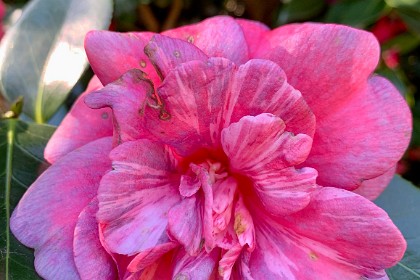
x,y
222,149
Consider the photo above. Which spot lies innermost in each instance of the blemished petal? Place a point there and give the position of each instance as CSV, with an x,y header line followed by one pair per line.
x,y
372,188
359,233
219,36
260,143
80,126
136,195
228,260
89,254
128,96
185,224
254,33
200,267
111,54
244,225
366,137
193,95
166,53
327,63
260,86
57,197
285,191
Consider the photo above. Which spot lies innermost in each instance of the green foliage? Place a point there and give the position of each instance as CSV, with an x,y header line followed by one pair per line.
x,y
401,200
297,10
22,147
42,55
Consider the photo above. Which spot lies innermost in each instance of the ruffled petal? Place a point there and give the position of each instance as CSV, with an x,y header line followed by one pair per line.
x,y
255,144
372,188
339,235
52,206
89,254
219,36
135,197
128,98
80,126
228,260
111,54
149,257
365,138
200,267
166,53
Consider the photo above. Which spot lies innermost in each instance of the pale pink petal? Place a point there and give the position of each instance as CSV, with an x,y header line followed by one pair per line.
x,y
244,225
260,86
111,54
200,267
80,126
228,260
127,97
223,194
166,53
327,63
372,188
219,36
254,33
193,95
135,197
46,216
366,137
89,254
285,191
149,257
184,217
189,185
256,144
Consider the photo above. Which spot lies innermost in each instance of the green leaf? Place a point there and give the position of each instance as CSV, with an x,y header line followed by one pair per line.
x,y
42,55
401,200
411,17
21,162
357,13
298,10
404,3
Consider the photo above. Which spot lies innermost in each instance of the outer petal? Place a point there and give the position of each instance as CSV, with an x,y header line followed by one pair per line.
x,y
80,126
201,267
111,54
339,235
135,197
372,188
254,33
127,97
211,37
56,198
365,138
328,63
89,254
166,53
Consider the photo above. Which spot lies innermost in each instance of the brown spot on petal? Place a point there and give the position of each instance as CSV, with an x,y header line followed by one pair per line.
x,y
104,116
238,226
182,277
143,63
313,256
177,54
190,39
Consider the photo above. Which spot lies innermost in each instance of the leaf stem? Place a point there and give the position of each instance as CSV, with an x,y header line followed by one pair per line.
x,y
9,158
409,269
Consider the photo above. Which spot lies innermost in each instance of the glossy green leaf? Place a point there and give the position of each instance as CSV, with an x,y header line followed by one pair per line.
x,y
401,200
298,10
42,55
357,13
21,162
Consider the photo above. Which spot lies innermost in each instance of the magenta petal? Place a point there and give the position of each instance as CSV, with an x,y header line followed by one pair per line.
x,y
211,37
260,86
149,257
257,144
135,197
166,53
127,97
366,137
327,63
184,217
244,225
112,54
57,197
228,261
193,95
89,254
372,188
254,33
80,126
200,267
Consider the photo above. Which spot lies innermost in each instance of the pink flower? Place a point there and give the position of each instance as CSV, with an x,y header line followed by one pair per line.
x,y
233,151
2,13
